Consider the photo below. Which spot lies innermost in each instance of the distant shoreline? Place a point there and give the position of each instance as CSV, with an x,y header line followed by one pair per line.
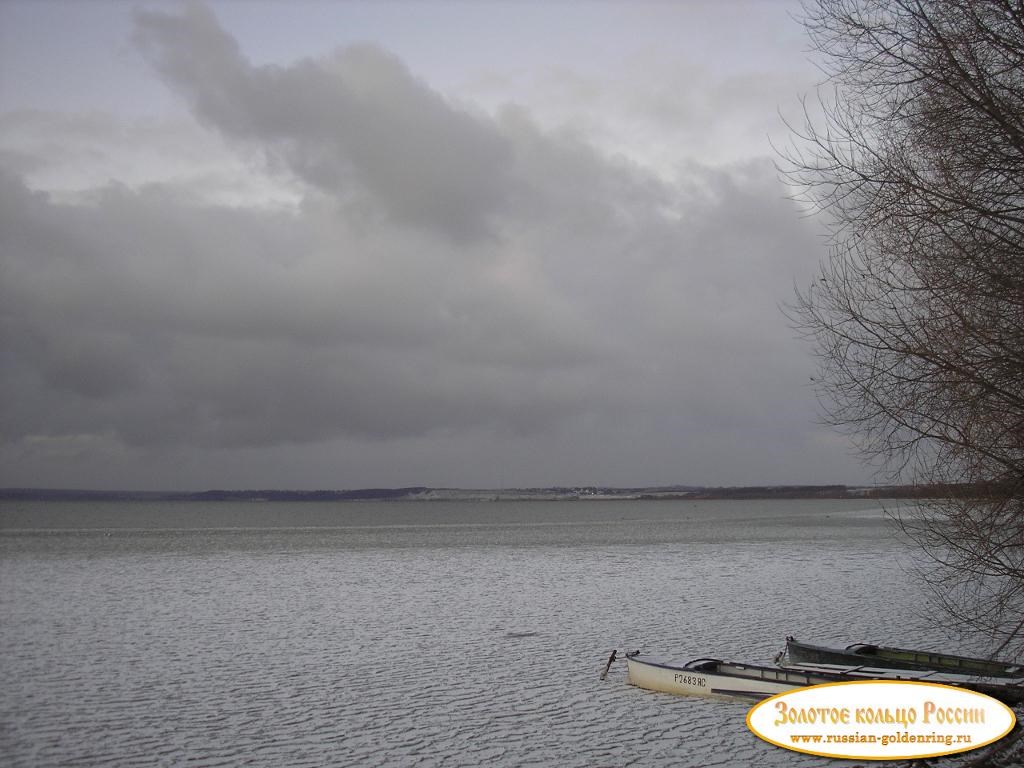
x,y
421,493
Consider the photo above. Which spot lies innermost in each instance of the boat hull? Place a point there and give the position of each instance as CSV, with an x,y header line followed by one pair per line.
x,y
657,674
897,658
1010,691
713,678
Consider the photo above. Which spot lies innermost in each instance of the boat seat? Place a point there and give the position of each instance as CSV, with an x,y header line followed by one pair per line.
x,y
864,649
704,665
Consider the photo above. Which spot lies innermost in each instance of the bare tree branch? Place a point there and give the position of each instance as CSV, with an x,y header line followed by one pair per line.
x,y
917,317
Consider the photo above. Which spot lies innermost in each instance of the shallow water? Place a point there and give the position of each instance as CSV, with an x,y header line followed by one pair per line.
x,y
417,633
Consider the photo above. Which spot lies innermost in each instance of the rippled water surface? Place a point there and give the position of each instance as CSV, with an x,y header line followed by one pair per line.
x,y
417,634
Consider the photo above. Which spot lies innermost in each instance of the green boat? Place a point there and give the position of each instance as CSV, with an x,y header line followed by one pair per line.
x,y
895,658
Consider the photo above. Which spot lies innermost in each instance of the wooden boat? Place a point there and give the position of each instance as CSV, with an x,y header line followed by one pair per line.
x,y
897,658
714,678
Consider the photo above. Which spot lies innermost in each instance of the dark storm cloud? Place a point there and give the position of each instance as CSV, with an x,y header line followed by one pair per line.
x,y
164,322
471,279
357,123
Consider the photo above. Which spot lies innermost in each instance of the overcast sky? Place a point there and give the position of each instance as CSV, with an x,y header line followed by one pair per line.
x,y
351,244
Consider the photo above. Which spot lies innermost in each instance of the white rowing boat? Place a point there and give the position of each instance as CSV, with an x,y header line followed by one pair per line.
x,y
713,678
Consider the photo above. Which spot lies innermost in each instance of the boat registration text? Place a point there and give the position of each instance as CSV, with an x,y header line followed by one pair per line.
x,y
695,680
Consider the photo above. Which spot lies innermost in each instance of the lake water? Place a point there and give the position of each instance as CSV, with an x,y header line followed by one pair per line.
x,y
418,634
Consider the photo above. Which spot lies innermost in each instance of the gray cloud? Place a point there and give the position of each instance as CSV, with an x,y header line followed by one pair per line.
x,y
358,122
168,322
454,290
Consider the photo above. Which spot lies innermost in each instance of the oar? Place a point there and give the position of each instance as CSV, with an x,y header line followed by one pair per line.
x,y
608,666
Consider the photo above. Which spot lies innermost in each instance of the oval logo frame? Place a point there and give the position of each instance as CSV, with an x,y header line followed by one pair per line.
x,y
880,720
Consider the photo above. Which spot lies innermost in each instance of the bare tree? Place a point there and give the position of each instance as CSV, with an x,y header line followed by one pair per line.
x,y
917,318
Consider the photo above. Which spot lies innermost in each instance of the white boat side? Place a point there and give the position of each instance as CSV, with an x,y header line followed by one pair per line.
x,y
1009,690
713,678
868,672
726,679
